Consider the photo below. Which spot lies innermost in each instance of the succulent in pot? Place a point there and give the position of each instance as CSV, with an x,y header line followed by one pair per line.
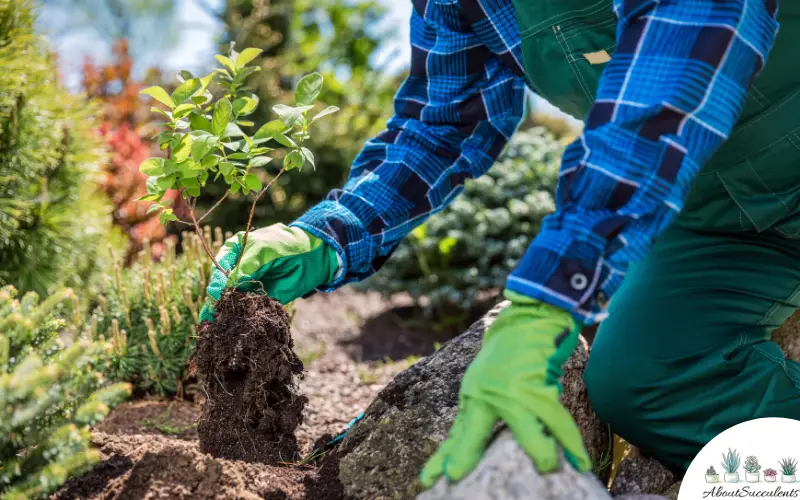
x,y
711,475
730,464
751,469
788,469
770,475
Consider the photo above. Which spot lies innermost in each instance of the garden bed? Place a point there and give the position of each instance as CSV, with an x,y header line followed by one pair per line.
x,y
351,346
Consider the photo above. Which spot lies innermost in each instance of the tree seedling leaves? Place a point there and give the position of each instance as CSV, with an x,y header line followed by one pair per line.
x,y
152,186
183,110
227,62
244,106
202,144
252,182
309,156
152,166
238,156
221,117
259,161
270,130
246,56
204,83
149,197
184,148
185,75
167,216
186,90
153,208
292,160
232,130
159,95
210,162
308,89
161,112
166,181
285,141
290,115
325,112
226,168
192,186
199,122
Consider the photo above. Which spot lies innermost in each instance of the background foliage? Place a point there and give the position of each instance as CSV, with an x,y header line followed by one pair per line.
x,y
52,219
49,393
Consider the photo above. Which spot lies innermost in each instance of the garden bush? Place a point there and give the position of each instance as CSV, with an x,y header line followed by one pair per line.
x,y
149,311
53,221
472,245
49,393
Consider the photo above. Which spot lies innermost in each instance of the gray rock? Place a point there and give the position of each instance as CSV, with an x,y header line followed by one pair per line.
x,y
506,472
382,455
641,475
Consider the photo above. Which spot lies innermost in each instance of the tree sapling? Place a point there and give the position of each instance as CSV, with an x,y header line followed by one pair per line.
x,y
244,358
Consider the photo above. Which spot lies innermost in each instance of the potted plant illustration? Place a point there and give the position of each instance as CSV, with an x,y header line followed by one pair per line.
x,y
730,464
711,475
770,475
751,468
788,468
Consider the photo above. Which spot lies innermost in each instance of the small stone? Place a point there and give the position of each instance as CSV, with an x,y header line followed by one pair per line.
x,y
641,475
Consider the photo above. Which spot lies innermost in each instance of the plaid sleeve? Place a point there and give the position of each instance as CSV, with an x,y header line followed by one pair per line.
x,y
666,101
454,113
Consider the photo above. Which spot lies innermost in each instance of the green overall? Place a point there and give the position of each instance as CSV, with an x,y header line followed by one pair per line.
x,y
686,350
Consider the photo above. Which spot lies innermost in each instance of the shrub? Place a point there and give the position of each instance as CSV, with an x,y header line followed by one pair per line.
x,y
52,219
148,313
751,464
473,244
49,395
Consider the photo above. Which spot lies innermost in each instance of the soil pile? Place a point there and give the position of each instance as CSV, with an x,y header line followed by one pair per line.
x,y
138,461
250,373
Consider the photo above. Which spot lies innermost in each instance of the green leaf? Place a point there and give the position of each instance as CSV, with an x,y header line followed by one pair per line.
x,y
167,216
244,106
164,138
201,99
235,187
233,146
232,130
152,166
286,141
167,181
149,197
186,75
447,244
308,89
204,83
199,122
294,159
210,162
289,115
183,110
252,182
221,117
227,62
202,144
192,186
270,130
159,95
184,148
186,90
325,112
238,156
153,208
259,161
152,186
226,167
309,156
160,111
245,123
246,56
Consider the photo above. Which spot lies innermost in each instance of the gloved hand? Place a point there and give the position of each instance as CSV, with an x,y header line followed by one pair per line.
x,y
514,378
285,262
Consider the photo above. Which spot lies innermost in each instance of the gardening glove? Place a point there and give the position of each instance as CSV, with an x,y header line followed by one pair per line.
x,y
515,378
285,262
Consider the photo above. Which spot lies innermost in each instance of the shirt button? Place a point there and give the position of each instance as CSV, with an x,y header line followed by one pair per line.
x,y
578,281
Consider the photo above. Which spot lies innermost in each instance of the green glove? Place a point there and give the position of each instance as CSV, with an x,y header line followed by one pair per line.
x,y
514,378
285,262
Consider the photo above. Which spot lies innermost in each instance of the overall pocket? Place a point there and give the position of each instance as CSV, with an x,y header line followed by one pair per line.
x,y
565,46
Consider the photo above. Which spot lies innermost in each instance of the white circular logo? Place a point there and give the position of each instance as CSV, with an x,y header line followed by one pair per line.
x,y
755,459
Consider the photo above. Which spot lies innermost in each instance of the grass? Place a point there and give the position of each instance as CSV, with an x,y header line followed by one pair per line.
x,y
311,354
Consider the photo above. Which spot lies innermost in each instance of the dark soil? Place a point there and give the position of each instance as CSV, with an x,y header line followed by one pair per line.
x,y
352,345
249,371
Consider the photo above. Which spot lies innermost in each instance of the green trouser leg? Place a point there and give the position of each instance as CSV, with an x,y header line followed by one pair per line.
x,y
686,350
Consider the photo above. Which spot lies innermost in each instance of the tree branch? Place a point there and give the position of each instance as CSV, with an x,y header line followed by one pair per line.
x,y
203,239
252,211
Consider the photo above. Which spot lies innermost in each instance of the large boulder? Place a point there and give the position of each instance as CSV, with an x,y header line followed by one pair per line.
x,y
382,455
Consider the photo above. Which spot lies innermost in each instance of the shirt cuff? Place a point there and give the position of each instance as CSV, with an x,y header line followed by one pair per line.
x,y
338,227
570,274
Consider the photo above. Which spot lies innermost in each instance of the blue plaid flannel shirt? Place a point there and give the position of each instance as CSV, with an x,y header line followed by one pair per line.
x,y
667,100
